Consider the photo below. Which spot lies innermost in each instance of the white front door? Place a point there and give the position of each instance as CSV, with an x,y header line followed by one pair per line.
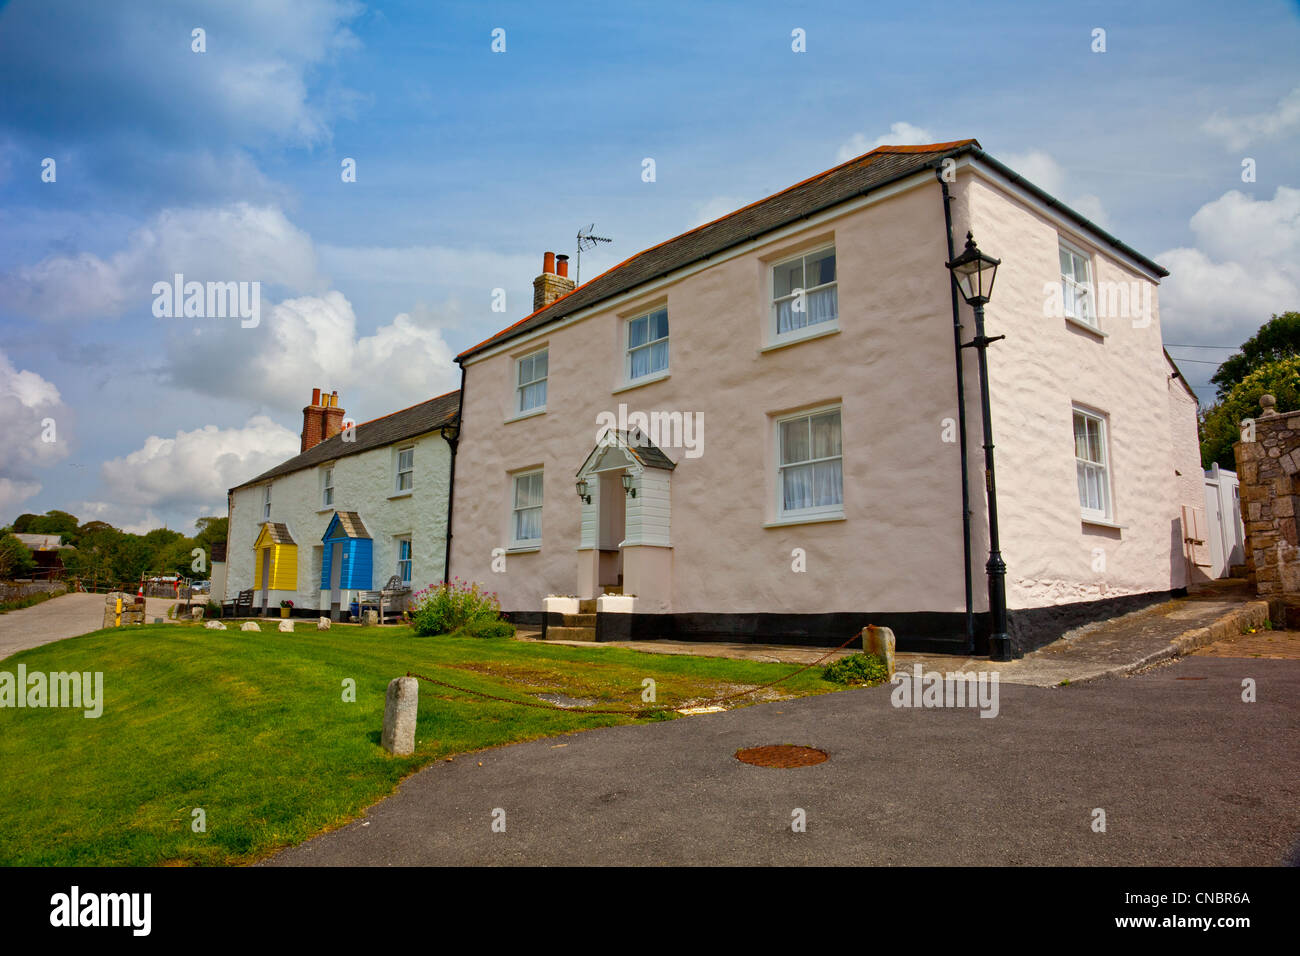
x,y
612,527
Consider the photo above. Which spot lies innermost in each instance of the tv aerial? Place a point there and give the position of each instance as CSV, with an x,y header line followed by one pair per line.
x,y
586,240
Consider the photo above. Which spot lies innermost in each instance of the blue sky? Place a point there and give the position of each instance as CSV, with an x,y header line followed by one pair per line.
x,y
225,165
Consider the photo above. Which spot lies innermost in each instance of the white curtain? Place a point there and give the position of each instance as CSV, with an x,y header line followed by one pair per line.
x,y
820,306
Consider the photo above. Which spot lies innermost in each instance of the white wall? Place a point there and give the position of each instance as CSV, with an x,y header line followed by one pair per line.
x,y
363,483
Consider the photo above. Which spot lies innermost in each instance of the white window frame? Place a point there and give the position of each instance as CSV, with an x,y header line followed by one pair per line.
x,y
409,561
1107,512
774,301
515,541
543,381
398,471
783,513
628,348
327,488
266,502
1088,286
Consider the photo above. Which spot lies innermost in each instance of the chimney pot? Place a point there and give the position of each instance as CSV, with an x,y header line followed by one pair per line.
x,y
562,266
315,396
548,263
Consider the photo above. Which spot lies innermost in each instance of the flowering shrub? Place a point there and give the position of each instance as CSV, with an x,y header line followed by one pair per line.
x,y
286,603
456,604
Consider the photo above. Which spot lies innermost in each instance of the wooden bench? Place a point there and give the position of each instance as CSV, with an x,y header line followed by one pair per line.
x,y
389,601
240,606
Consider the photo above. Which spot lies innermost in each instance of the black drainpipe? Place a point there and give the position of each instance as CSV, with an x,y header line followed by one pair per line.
x,y
961,419
451,480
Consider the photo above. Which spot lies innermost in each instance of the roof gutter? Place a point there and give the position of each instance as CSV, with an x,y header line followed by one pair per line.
x,y
1048,200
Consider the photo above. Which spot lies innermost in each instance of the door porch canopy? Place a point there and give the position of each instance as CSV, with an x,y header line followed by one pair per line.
x,y
356,550
275,544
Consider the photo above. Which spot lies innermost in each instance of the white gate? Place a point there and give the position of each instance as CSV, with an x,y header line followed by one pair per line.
x,y
1226,533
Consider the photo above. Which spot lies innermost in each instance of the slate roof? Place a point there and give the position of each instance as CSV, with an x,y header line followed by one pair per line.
x,y
351,525
278,533
42,542
876,169
419,419
637,444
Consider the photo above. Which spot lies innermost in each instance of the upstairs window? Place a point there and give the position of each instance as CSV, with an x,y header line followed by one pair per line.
x,y
647,345
1091,465
804,292
405,469
810,464
327,489
526,514
530,384
266,503
1076,286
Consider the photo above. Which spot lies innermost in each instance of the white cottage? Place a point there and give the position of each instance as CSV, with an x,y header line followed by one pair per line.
x,y
359,505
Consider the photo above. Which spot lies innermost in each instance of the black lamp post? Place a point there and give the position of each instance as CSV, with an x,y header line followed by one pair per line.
x,y
974,273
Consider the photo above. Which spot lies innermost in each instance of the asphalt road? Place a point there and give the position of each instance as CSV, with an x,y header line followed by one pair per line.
x,y
1186,773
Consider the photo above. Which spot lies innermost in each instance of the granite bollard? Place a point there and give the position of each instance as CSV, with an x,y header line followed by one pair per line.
x,y
879,642
323,624
400,706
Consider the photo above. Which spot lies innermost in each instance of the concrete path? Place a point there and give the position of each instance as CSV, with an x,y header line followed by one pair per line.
x,y
1105,649
1186,772
65,616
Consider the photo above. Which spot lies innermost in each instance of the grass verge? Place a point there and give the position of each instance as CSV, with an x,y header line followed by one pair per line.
x,y
253,729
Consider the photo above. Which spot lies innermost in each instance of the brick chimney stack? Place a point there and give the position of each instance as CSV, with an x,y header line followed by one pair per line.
x,y
551,284
321,419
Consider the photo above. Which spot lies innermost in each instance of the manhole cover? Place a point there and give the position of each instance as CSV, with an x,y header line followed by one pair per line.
x,y
783,756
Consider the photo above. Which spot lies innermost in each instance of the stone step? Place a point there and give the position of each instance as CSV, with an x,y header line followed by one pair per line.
x,y
614,590
1239,571
587,607
580,620
570,633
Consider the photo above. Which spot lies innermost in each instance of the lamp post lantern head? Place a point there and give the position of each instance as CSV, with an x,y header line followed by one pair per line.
x,y
974,272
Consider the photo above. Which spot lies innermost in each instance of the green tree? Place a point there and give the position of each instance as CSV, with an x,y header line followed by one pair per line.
x,y
1221,424
23,523
1278,338
211,531
92,561
52,522
16,559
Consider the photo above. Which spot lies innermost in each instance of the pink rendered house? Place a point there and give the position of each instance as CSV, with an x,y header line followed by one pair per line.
x,y
754,430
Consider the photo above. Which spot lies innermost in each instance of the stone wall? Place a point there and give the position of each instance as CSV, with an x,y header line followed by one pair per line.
x,y
1268,467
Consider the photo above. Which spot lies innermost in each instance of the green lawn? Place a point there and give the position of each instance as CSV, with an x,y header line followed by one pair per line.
x,y
253,729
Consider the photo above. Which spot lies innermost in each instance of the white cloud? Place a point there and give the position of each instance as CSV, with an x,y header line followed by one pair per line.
x,y
238,242
1238,132
715,208
900,134
313,341
1048,175
187,475
30,411
1244,268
